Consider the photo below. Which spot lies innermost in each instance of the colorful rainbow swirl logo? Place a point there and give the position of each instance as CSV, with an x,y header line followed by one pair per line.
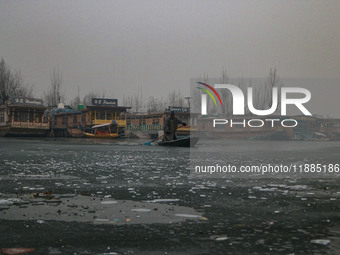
x,y
209,93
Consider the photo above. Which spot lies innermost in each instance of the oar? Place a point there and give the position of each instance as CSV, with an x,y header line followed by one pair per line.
x,y
149,143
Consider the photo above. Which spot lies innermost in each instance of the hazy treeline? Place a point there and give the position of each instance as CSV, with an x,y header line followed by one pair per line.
x,y
139,104
12,85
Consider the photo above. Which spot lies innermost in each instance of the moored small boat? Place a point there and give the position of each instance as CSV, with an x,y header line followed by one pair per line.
x,y
103,136
183,142
104,131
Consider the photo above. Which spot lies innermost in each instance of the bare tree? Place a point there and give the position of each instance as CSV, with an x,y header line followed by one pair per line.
x,y
87,99
128,101
137,103
155,105
11,84
196,100
54,95
257,94
75,102
271,81
175,99
134,102
226,95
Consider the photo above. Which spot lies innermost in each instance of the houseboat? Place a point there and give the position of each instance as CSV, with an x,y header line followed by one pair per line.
x,y
23,117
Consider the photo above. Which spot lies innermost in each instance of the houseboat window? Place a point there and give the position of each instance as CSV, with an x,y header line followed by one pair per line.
x,y
22,116
30,116
64,119
109,116
40,117
16,116
102,116
74,120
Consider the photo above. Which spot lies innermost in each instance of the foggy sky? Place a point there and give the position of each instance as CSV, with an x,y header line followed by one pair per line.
x,y
118,47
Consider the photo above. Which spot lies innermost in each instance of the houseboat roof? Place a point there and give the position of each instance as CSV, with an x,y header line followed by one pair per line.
x,y
28,106
104,125
118,108
62,111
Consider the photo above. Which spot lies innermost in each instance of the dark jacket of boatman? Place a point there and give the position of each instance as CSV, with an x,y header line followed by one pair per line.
x,y
170,127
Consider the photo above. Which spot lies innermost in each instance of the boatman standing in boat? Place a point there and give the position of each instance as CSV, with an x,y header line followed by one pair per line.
x,y
170,127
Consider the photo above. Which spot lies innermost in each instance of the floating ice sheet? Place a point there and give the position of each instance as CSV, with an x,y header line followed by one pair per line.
x,y
97,210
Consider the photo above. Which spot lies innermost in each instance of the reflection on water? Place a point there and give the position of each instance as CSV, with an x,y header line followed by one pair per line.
x,y
219,215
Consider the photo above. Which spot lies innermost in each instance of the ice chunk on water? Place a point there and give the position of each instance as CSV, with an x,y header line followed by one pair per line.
x,y
141,210
221,238
102,220
17,201
321,241
108,202
188,215
163,200
298,187
5,202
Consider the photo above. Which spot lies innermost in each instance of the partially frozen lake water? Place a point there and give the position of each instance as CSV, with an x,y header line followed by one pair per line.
x,y
83,196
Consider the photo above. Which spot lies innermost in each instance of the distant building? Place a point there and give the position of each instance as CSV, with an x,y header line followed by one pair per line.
x,y
23,117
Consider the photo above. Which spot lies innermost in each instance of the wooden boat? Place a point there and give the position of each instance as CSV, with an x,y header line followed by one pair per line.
x,y
76,133
182,142
105,131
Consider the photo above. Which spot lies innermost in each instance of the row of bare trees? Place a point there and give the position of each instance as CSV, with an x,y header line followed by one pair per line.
x,y
151,104
86,100
262,95
12,85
